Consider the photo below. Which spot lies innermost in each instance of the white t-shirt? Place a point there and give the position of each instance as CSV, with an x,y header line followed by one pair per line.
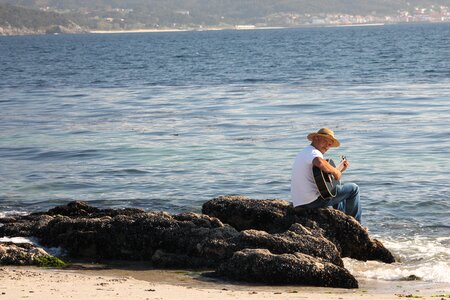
x,y
303,186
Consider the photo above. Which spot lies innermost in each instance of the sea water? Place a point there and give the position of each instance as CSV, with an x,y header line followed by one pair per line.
x,y
167,121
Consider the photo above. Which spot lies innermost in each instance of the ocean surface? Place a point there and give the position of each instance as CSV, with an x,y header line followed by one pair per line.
x,y
167,121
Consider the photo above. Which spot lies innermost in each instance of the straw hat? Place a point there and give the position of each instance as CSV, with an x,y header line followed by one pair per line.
x,y
327,133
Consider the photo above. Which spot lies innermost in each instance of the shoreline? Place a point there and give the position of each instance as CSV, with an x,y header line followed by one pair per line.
x,y
181,30
136,282
238,27
252,27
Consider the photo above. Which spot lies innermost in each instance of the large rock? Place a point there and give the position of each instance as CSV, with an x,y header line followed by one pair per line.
x,y
346,233
311,240
351,239
296,239
185,240
33,224
82,209
94,234
260,265
142,236
29,225
242,213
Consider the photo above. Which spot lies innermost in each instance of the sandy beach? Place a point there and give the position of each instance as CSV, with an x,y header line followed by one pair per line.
x,y
160,30
241,27
34,283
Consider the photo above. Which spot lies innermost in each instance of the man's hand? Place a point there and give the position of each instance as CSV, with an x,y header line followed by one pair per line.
x,y
343,165
337,175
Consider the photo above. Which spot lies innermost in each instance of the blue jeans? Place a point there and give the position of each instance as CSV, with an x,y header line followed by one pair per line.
x,y
346,200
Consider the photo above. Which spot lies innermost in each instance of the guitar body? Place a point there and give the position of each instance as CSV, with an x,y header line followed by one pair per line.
x,y
326,183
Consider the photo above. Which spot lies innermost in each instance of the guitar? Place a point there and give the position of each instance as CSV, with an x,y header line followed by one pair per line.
x,y
325,182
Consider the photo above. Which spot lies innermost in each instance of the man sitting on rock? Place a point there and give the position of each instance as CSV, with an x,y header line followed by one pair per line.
x,y
304,190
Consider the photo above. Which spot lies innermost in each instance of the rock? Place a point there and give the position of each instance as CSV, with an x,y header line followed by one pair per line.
x,y
22,254
296,239
350,238
260,265
346,233
184,240
166,240
74,209
29,225
135,237
82,209
313,241
243,213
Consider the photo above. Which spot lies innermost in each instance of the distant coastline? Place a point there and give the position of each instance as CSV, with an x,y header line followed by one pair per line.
x,y
186,29
244,27
356,25
65,31
45,18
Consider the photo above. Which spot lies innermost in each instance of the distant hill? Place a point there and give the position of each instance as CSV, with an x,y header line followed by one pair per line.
x,y
235,8
138,14
19,20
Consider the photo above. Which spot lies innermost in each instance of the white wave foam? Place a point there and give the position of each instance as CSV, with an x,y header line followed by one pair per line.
x,y
17,240
420,248
4,214
55,251
432,272
422,258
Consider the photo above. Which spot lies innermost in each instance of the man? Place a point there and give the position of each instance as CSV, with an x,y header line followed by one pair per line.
x,y
304,191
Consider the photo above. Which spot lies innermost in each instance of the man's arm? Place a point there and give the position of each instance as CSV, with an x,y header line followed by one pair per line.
x,y
327,167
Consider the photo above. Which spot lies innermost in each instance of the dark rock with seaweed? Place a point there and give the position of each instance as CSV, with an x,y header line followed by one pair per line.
x,y
260,265
233,231
351,239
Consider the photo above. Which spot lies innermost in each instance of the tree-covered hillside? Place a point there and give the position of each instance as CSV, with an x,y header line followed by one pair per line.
x,y
30,18
236,8
21,20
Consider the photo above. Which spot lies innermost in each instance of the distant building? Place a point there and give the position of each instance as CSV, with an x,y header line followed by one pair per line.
x,y
242,27
182,12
